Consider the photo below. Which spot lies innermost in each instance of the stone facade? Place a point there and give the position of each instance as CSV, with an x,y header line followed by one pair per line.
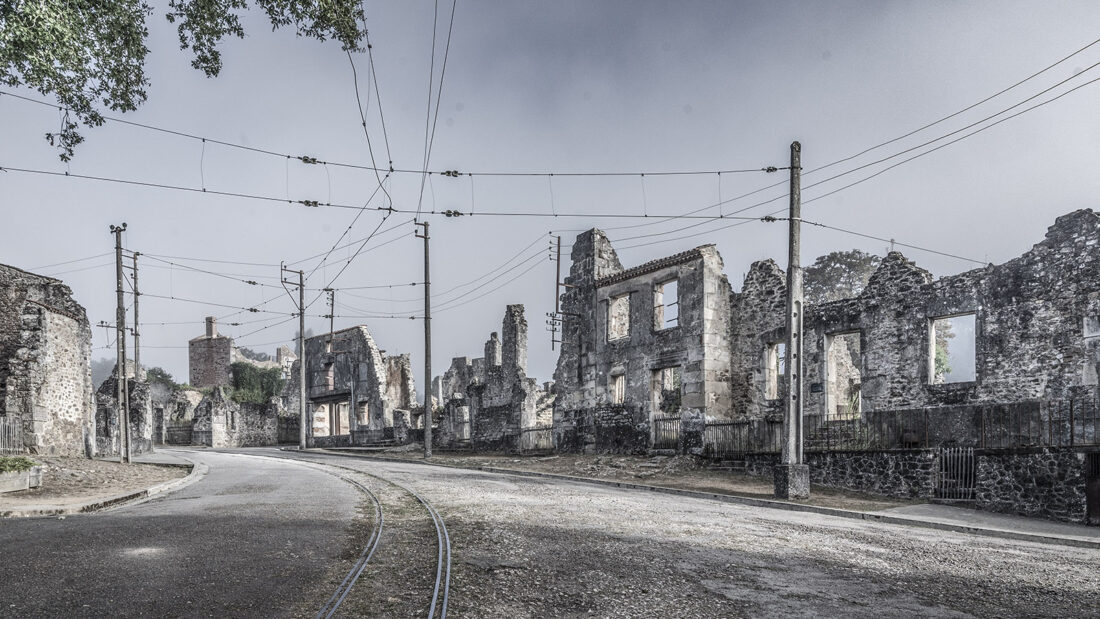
x,y
220,421
45,364
209,358
489,402
351,398
1043,483
652,340
1031,338
108,432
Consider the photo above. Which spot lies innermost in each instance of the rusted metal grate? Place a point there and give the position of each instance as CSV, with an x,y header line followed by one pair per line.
x,y
957,474
666,432
11,436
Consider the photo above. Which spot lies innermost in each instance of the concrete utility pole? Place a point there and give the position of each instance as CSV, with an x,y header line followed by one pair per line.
x,y
123,395
331,312
301,349
427,344
137,324
792,475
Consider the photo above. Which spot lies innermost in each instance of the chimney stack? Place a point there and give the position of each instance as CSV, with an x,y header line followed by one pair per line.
x,y
211,326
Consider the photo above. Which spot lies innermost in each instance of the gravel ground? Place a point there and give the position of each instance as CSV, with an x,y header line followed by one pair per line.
x,y
74,480
685,472
545,548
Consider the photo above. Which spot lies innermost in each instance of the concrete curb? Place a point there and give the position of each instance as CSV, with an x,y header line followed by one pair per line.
x,y
198,470
783,505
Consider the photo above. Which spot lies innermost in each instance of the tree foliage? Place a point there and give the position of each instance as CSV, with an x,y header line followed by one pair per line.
x,y
838,275
90,54
160,375
254,384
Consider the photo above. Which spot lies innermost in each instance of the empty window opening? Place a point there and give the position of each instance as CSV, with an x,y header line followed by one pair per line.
x,y
618,317
328,345
618,389
666,391
842,375
666,305
340,421
775,366
330,376
321,420
953,352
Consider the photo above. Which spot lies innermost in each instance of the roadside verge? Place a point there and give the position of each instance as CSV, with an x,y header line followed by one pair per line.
x,y
197,471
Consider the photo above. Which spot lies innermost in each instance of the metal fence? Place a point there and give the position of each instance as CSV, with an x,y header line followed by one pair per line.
x,y
666,432
11,436
733,439
1055,423
202,437
537,438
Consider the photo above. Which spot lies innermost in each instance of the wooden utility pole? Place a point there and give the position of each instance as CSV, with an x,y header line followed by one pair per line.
x,y
123,395
792,475
427,343
301,349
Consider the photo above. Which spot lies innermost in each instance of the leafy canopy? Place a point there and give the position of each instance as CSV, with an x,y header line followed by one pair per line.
x,y
254,384
90,54
838,275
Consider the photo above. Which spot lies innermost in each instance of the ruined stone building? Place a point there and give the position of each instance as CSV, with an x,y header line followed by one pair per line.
x,y
637,344
1027,331
108,428
45,366
220,421
211,355
490,402
356,394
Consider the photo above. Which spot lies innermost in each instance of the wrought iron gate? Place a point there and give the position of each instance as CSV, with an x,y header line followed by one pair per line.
x,y
957,474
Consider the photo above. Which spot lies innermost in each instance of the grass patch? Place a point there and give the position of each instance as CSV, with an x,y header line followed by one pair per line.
x,y
16,464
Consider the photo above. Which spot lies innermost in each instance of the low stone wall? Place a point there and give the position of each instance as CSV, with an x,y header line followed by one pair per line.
x,y
901,473
605,429
1042,483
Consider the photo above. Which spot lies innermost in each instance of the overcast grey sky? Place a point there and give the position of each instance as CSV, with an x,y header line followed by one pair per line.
x,y
557,87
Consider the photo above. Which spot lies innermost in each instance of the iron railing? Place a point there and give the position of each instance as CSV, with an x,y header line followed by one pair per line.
x,y
666,432
537,438
1055,423
11,436
731,439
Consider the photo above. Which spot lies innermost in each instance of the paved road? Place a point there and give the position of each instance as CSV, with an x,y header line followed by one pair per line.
x,y
247,540
526,547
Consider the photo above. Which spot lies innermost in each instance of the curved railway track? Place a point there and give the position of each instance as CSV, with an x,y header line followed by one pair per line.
x,y
442,587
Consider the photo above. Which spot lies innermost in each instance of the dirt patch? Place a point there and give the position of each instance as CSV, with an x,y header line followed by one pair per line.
x,y
682,472
77,480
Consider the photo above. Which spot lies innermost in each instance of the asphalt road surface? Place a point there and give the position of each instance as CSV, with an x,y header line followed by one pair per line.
x,y
255,537
245,540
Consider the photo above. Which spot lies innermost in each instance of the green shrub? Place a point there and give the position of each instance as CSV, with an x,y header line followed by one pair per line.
x,y
16,464
255,385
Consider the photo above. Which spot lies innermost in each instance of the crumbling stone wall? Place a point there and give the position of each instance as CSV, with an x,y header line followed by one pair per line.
x,y
1032,328
221,421
347,369
490,401
107,419
209,357
45,364
614,349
